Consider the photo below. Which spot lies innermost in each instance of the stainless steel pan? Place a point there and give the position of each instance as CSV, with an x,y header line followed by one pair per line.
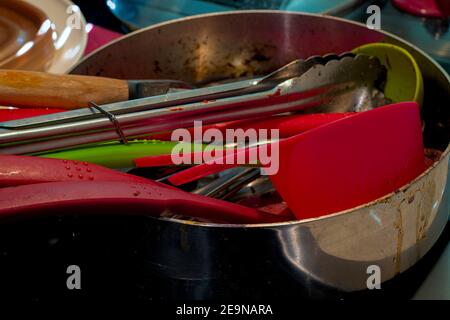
x,y
198,260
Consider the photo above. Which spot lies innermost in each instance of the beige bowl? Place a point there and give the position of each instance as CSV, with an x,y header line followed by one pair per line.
x,y
25,37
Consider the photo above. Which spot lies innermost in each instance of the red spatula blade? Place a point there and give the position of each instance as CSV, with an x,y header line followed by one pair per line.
x,y
352,161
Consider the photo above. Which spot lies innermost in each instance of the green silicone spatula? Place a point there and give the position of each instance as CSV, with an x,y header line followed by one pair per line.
x,y
117,155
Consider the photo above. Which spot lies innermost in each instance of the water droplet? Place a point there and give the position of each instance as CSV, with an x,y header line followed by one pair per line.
x,y
67,167
64,161
80,176
136,193
88,169
70,175
85,164
78,168
91,178
75,162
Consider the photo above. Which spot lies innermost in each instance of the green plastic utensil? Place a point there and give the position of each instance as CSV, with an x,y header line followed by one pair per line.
x,y
117,155
404,78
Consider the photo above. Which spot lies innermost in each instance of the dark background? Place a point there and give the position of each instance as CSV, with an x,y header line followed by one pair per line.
x,y
96,12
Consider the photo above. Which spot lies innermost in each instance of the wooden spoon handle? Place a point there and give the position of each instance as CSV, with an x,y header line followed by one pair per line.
x,y
26,89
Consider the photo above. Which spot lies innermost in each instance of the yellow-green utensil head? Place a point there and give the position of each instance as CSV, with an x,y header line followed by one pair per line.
x,y
404,78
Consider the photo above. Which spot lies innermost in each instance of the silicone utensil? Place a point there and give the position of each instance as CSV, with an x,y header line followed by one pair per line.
x,y
117,155
39,89
28,184
113,197
343,164
404,78
19,170
287,126
16,114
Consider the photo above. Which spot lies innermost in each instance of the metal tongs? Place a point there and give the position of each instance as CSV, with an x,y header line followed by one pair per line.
x,y
347,82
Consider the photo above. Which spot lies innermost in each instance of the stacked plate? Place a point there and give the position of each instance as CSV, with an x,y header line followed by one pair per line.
x,y
41,35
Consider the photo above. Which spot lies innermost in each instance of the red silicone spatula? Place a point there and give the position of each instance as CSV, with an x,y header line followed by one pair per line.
x,y
287,125
344,164
50,183
19,170
112,197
